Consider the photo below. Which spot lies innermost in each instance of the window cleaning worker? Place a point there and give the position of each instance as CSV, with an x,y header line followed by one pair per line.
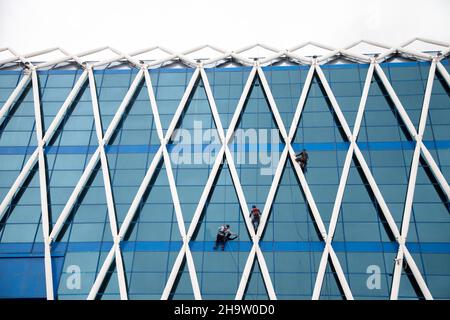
x,y
223,235
302,159
255,214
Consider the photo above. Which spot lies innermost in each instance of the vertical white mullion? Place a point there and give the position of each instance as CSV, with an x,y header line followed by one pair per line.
x,y
6,107
107,185
43,187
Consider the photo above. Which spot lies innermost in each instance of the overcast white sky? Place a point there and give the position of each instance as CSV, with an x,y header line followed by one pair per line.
x,y
29,25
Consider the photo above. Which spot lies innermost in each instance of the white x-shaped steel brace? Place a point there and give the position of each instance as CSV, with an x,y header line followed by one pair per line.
x,y
43,138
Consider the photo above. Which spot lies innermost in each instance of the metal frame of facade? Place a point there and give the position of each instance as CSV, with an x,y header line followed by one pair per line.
x,y
162,155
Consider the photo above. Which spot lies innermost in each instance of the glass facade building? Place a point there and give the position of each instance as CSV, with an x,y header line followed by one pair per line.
x,y
108,191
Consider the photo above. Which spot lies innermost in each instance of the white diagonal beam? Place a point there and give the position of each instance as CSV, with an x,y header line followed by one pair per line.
x,y
411,184
95,157
343,182
107,183
409,125
443,73
7,106
47,137
42,186
147,178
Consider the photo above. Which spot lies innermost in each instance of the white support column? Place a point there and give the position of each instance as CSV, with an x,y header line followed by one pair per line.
x,y
107,185
412,182
43,187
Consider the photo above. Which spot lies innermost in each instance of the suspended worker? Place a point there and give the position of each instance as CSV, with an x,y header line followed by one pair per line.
x,y
302,159
255,214
223,235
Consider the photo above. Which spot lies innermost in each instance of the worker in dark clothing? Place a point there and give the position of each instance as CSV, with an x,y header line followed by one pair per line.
x,y
255,214
302,159
223,235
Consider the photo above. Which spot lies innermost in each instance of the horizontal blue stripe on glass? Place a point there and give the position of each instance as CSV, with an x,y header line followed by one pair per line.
x,y
326,146
30,249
